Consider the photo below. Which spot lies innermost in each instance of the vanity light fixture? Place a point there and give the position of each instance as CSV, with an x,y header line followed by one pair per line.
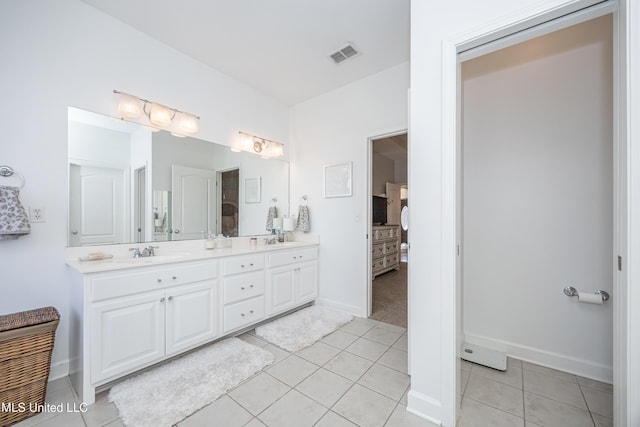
x,y
179,123
266,148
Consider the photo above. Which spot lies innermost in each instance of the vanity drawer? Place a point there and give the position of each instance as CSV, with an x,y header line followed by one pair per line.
x,y
243,286
243,264
134,281
288,257
243,313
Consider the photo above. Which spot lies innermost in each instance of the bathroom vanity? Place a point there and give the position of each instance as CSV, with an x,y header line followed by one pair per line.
x,y
128,314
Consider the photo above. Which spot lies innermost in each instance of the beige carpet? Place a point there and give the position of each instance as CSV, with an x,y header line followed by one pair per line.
x,y
389,303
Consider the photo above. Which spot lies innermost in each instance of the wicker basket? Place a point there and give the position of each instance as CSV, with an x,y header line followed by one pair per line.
x,y
26,342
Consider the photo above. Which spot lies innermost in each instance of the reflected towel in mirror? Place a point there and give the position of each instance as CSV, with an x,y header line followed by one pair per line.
x,y
273,213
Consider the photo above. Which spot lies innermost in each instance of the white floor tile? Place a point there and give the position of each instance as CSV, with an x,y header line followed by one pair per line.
x,y
401,418
395,359
325,387
527,366
348,365
496,394
368,349
359,326
292,370
382,336
66,419
224,411
476,414
401,344
512,376
597,385
331,419
391,327
340,339
364,407
255,423
293,410
278,353
556,388
599,402
101,412
318,353
385,381
602,421
258,393
547,412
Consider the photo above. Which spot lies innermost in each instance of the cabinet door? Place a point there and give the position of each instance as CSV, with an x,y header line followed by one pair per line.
x,y
191,316
306,281
127,333
280,295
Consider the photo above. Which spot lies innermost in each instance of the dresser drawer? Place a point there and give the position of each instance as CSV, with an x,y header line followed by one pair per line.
x,y
287,257
243,264
390,247
377,249
243,286
134,281
383,234
390,260
377,264
243,313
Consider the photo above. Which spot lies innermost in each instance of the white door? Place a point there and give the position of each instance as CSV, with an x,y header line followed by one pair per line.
x,y
97,211
393,204
306,281
191,316
281,289
193,203
127,333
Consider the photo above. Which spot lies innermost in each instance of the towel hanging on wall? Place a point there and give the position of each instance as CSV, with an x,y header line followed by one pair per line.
x,y
271,214
13,217
304,223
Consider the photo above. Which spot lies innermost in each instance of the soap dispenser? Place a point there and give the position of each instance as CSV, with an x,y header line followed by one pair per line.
x,y
210,242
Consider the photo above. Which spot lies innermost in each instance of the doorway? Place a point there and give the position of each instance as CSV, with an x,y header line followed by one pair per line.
x,y
537,205
228,202
388,258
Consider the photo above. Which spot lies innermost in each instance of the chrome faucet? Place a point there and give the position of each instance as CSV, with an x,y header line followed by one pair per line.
x,y
136,252
148,251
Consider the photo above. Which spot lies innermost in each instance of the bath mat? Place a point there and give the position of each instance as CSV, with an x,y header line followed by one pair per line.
x,y
302,328
169,393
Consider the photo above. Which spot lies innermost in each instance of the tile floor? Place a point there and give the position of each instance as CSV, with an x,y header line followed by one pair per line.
x,y
357,376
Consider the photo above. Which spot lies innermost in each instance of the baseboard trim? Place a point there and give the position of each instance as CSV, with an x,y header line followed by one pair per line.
x,y
581,367
59,370
346,308
424,407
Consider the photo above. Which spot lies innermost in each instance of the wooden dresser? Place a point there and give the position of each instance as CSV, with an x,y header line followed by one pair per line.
x,y
385,249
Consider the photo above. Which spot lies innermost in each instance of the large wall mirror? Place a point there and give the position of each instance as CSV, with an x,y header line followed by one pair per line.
x,y
128,184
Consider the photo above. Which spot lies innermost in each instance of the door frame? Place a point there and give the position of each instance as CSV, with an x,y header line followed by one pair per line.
x,y
626,203
370,141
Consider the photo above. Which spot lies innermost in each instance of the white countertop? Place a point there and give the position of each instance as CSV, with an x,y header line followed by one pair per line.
x,y
167,254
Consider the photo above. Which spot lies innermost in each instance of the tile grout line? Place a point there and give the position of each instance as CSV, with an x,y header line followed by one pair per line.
x,y
586,403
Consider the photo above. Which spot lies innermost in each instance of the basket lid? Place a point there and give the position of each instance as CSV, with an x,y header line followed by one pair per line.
x,y
28,318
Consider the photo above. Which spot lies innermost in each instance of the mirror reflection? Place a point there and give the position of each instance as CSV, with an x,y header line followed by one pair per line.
x,y
128,184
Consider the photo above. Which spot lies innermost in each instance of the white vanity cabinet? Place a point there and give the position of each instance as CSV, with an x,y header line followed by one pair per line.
x,y
292,278
243,291
133,318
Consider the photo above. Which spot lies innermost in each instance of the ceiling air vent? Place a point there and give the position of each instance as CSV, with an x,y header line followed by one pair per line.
x,y
343,54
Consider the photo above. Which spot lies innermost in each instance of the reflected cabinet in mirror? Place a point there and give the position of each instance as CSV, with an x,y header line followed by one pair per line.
x,y
128,184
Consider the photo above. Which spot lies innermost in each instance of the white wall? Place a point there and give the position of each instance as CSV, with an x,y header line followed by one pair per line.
x,y
109,147
538,198
334,128
64,53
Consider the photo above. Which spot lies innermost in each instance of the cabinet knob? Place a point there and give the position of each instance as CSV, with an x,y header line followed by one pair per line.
x,y
251,265
251,286
170,298
174,277
250,311
241,265
162,299
242,288
242,314
295,257
159,280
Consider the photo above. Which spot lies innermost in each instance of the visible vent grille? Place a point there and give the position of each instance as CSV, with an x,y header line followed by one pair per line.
x,y
343,54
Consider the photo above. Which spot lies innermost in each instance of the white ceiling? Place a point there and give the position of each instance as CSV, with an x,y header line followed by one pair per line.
x,y
280,47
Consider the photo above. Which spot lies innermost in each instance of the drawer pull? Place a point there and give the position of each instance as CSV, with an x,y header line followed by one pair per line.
x,y
250,311
251,286
242,288
242,314
251,265
170,298
174,277
162,299
159,280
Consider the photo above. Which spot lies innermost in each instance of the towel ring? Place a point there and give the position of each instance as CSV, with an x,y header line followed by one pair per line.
x,y
7,171
303,198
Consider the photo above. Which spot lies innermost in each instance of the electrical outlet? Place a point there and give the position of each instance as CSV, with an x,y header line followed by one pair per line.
x,y
37,214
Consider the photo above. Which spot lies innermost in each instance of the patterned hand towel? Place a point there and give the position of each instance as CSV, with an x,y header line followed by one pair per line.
x,y
273,213
13,217
304,223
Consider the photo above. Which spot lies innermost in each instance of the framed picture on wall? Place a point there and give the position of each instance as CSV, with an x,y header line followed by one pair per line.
x,y
252,190
337,180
